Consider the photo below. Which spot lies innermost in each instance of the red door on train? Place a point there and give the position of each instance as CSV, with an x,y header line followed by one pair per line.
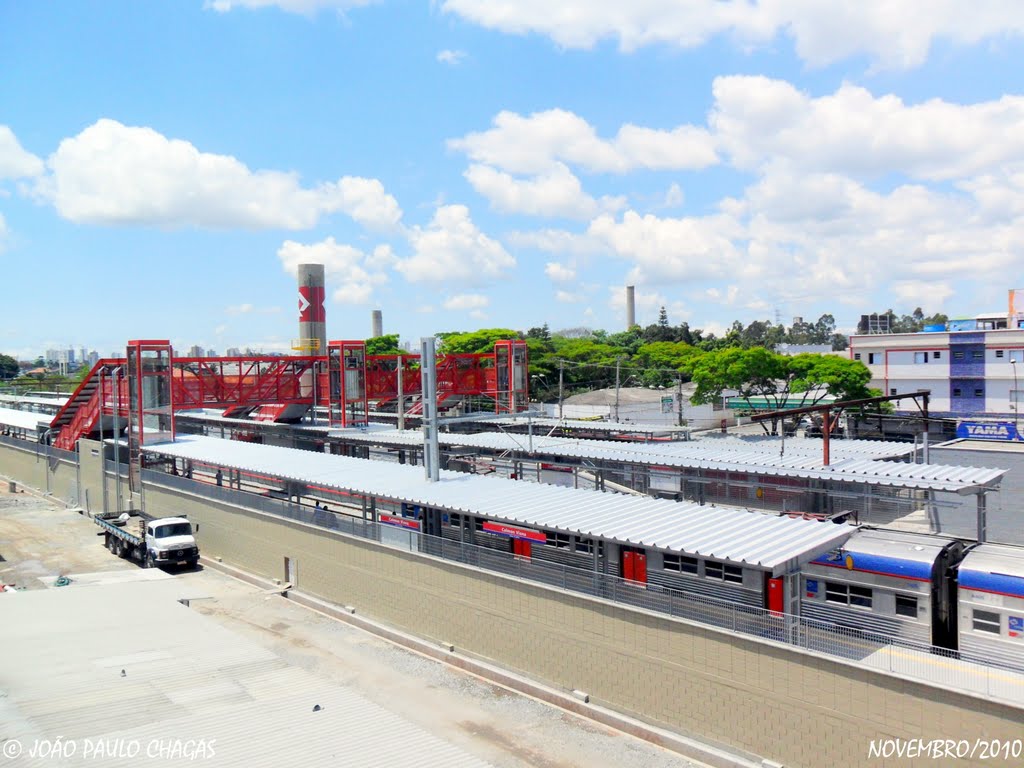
x,y
634,565
775,595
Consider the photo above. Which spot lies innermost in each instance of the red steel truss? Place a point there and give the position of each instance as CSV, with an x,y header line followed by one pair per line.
x,y
245,383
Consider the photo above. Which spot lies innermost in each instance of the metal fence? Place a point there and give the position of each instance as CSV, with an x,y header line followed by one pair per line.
x,y
1001,678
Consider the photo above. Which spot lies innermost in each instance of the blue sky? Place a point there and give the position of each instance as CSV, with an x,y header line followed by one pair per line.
x,y
473,163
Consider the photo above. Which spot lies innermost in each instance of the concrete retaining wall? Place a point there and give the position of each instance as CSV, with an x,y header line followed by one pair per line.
x,y
777,702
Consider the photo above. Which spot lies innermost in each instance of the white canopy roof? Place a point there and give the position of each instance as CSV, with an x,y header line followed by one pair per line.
x,y
774,543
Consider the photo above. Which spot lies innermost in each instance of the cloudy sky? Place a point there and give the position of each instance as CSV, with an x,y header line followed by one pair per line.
x,y
465,163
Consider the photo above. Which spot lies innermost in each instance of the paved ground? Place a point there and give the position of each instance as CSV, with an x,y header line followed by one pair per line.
x,y
40,541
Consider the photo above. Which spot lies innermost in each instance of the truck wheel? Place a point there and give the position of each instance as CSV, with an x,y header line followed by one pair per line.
x,y
109,543
147,561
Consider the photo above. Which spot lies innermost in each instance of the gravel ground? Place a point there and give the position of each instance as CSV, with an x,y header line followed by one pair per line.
x,y
40,540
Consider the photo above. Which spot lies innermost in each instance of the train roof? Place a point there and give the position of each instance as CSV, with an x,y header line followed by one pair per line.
x,y
769,542
994,568
918,547
995,558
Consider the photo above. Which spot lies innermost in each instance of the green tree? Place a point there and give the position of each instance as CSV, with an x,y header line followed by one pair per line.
x,y
474,342
758,372
384,345
8,367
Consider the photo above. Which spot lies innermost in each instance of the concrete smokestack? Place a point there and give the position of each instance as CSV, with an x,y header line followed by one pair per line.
x,y
630,307
376,324
312,317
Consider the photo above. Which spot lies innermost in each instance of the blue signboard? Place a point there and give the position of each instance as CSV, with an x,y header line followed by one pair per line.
x,y
812,587
987,430
1016,625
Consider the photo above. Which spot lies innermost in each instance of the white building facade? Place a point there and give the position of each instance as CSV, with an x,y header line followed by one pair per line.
x,y
970,373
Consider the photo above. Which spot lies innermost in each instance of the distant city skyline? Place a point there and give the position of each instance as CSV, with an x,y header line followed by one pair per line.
x,y
460,167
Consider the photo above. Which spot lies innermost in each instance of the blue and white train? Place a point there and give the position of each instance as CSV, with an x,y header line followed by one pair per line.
x,y
929,589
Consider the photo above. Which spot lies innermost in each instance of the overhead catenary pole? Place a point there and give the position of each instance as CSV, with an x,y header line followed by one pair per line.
x,y
618,360
401,394
428,374
561,386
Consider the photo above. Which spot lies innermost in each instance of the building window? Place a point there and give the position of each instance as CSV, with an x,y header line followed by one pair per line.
x,y
958,355
856,355
957,392
559,540
873,357
937,355
906,605
979,392
920,357
848,594
586,546
892,391
723,572
999,354
978,354
986,621
680,563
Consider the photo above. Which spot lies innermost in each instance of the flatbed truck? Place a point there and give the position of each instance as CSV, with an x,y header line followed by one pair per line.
x,y
152,543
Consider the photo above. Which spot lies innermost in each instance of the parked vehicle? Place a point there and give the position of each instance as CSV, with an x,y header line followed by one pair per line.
x,y
152,543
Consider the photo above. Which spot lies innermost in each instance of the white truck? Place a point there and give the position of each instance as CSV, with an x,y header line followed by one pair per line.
x,y
153,543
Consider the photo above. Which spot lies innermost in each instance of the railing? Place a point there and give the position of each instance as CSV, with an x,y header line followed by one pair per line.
x,y
994,678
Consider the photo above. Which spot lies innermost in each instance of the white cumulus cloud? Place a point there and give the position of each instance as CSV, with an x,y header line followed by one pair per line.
x,y
345,267
305,7
537,143
450,57
757,120
893,35
466,301
556,193
116,174
15,161
558,272
452,248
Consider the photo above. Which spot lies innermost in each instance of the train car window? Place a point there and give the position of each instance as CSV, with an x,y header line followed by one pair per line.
x,y
860,596
906,605
455,521
837,593
986,621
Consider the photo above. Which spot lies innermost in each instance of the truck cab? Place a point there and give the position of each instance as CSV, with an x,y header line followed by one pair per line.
x,y
170,541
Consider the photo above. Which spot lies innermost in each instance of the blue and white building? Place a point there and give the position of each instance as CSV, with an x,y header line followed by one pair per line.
x,y
973,368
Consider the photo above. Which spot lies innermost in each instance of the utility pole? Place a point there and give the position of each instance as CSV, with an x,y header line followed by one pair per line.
x,y
401,394
618,360
561,385
679,397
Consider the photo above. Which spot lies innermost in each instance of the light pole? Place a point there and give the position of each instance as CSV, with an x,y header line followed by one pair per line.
x,y
1014,396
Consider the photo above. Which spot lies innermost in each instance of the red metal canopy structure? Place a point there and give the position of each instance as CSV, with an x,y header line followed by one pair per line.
x,y
150,384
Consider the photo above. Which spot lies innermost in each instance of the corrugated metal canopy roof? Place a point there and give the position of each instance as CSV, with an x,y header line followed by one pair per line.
x,y
23,419
739,457
774,543
852,460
